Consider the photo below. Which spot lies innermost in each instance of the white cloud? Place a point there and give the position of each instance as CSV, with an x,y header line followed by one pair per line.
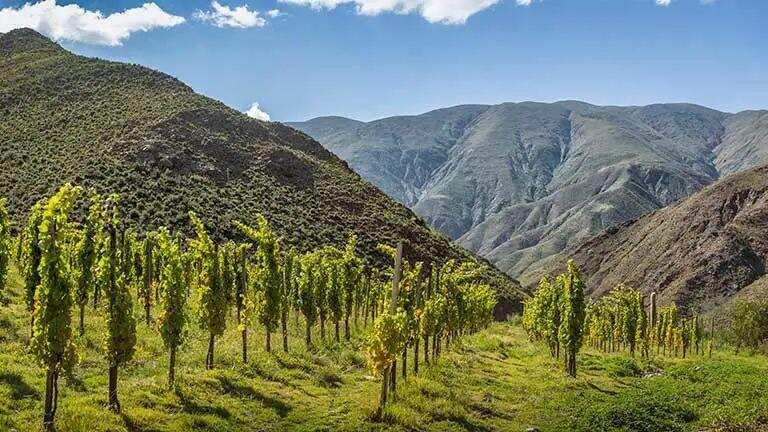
x,y
663,2
434,11
239,17
73,23
255,112
274,13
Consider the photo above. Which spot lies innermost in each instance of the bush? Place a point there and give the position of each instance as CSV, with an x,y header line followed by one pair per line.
x,y
748,324
644,411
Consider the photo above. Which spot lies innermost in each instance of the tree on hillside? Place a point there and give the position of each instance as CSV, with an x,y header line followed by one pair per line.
x,y
52,342
121,326
748,324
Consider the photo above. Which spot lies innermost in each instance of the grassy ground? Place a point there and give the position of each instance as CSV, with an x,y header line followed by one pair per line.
x,y
492,381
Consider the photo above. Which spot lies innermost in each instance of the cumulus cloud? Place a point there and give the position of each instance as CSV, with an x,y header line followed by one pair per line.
x,y
238,17
434,11
255,112
663,2
73,23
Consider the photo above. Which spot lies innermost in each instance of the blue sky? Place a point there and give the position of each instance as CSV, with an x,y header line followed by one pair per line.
x,y
306,62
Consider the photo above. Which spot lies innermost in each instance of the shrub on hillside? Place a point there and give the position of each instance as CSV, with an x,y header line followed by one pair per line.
x,y
748,326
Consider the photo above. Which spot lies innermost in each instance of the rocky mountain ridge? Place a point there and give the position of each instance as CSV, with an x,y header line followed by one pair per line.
x,y
519,182
699,253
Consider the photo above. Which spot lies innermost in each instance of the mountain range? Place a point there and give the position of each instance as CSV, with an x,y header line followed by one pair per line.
x,y
521,182
166,150
700,253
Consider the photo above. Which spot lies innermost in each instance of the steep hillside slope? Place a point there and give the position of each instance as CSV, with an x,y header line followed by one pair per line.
x,y
167,150
698,253
521,182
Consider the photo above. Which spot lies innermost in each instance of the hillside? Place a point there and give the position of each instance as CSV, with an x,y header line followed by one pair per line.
x,y
698,253
519,182
167,150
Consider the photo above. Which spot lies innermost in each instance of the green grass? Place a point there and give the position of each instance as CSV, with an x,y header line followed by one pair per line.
x,y
491,381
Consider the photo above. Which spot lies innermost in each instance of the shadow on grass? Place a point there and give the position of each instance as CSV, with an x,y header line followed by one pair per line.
x,y
191,406
77,384
605,391
330,379
254,370
489,357
463,422
236,389
19,388
487,411
129,423
290,364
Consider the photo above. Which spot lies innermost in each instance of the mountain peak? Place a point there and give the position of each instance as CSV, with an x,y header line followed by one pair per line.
x,y
26,39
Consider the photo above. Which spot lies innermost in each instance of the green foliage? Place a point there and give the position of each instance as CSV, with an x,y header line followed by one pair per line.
x,y
52,342
557,315
87,245
573,314
307,288
268,278
31,253
227,269
148,276
172,321
386,340
618,319
353,268
321,287
542,315
432,319
335,292
242,295
643,411
289,285
120,339
748,324
5,244
212,295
